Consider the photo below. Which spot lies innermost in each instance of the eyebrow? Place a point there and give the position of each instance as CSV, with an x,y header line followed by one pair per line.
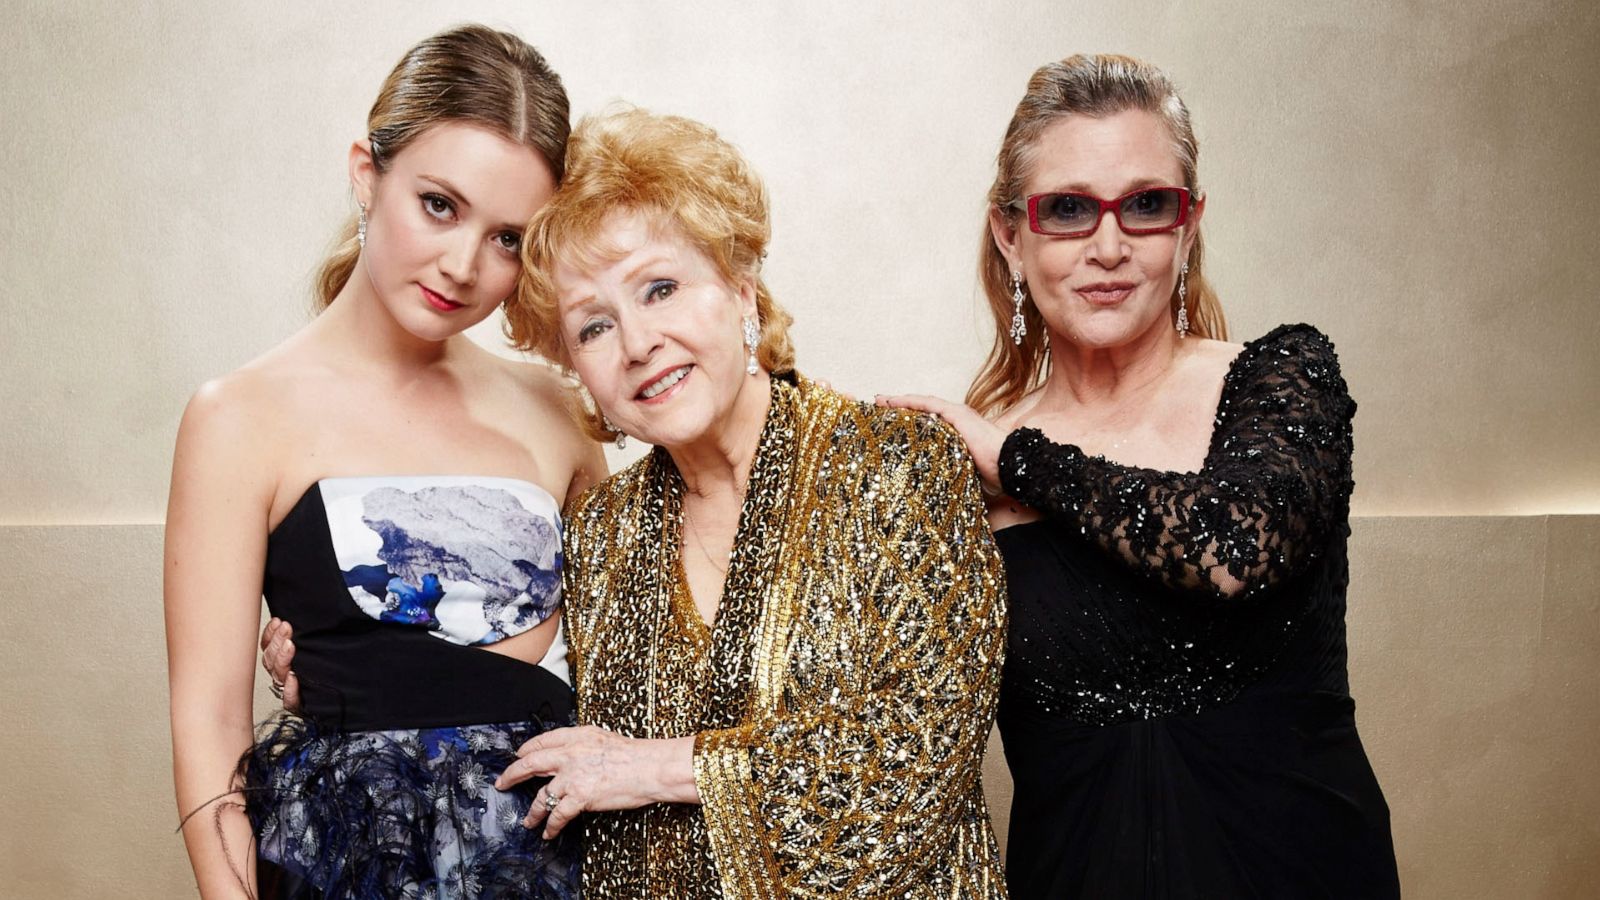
x,y
583,306
460,197
1079,187
654,259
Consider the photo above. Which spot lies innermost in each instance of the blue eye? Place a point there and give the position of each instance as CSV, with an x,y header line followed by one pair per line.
x,y
660,290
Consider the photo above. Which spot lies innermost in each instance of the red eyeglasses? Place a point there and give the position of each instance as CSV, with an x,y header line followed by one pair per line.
x,y
1150,210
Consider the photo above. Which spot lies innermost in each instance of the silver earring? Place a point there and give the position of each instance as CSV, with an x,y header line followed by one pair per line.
x,y
361,226
752,338
1183,306
1019,327
622,439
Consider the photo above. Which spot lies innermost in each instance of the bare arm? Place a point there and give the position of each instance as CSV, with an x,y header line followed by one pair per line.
x,y
215,552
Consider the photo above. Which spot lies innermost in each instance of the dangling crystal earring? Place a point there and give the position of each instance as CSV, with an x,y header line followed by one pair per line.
x,y
361,226
622,439
752,338
1183,306
1019,327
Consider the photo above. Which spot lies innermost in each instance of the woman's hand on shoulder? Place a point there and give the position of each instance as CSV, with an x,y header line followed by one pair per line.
x,y
982,437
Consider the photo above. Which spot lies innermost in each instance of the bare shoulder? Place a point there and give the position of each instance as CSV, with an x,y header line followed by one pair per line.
x,y
1202,369
536,400
1212,355
539,402
241,420
522,381
240,405
266,389
224,466
1013,418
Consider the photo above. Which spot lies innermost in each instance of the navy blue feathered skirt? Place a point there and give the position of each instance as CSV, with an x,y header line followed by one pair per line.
x,y
407,813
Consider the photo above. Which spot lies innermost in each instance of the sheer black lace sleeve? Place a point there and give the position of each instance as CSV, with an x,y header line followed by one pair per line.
x,y
1275,484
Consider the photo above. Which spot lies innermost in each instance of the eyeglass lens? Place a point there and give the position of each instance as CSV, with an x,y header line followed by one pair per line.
x,y
1142,210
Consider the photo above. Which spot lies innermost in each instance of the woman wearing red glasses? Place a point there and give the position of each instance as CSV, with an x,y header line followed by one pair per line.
x,y
1173,512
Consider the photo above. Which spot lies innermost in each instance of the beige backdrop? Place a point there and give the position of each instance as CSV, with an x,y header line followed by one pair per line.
x,y
1417,179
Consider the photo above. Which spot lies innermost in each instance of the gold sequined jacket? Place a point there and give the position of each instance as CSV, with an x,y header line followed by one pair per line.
x,y
842,700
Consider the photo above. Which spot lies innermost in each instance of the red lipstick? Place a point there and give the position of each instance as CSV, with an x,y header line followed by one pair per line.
x,y
439,301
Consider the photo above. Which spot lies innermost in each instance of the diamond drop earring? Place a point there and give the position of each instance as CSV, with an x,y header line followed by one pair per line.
x,y
622,439
1183,305
1019,327
361,226
752,338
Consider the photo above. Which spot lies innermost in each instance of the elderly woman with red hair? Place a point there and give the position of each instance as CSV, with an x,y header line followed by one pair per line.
x,y
786,621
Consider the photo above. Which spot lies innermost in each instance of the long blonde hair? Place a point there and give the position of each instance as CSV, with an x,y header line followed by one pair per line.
x,y
470,74
1082,85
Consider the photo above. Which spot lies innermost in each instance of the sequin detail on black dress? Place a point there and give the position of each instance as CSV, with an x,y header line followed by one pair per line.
x,y
1276,480
1175,706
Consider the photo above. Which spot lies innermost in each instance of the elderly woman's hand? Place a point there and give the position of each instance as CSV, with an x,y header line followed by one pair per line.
x,y
277,652
594,769
983,438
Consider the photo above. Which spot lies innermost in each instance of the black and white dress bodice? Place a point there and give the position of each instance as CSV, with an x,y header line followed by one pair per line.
x,y
395,585
384,785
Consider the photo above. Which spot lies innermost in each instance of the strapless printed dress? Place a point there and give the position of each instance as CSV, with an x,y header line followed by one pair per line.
x,y
383,785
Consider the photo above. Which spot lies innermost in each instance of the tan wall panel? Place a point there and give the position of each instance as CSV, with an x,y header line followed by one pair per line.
x,y
87,773
1473,664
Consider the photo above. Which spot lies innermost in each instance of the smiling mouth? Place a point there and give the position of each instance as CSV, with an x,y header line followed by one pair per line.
x,y
665,382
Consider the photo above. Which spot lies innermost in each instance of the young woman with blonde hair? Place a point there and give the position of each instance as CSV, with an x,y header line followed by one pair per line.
x,y
395,492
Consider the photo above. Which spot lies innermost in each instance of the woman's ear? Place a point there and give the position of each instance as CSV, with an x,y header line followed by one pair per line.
x,y
1191,228
363,171
747,298
1003,228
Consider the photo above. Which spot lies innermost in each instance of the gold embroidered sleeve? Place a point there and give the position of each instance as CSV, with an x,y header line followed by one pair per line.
x,y
577,606
865,783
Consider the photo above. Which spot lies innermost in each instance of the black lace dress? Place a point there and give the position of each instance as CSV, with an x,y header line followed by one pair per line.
x,y
1175,707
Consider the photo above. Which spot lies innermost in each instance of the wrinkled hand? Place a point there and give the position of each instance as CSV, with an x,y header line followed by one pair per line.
x,y
277,652
983,437
594,769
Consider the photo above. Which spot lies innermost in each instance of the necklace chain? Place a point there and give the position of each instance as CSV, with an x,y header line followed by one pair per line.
x,y
701,543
